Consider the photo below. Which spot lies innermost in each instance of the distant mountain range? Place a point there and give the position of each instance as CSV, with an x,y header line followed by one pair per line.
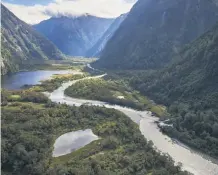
x,y
154,30
74,35
22,45
99,46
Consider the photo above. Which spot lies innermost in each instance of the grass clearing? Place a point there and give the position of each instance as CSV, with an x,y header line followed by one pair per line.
x,y
158,110
15,97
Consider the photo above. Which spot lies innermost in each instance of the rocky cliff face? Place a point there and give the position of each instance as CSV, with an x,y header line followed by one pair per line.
x,y
21,45
74,35
154,30
95,51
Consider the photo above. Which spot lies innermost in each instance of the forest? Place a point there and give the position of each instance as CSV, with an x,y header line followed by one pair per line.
x,y
31,123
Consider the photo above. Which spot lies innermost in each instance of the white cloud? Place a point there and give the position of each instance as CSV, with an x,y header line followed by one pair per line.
x,y
29,14
101,8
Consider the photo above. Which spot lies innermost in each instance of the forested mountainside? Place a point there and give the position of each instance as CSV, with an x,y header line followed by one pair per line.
x,y
74,35
154,30
189,87
99,46
21,44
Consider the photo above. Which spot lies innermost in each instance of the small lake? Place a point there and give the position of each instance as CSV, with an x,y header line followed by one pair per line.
x,y
17,80
69,142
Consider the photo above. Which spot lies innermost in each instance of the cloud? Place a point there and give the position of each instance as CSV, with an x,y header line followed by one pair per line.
x,y
29,14
101,8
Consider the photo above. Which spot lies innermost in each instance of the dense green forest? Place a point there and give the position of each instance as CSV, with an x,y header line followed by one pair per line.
x,y
31,123
189,88
154,30
113,92
21,45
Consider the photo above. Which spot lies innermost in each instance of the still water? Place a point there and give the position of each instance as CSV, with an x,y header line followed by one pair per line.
x,y
17,80
72,141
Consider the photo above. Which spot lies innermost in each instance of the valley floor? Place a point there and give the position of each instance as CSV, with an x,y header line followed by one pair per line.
x,y
40,121
31,123
113,92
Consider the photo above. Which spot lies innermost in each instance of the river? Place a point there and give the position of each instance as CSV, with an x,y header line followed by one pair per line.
x,y
192,161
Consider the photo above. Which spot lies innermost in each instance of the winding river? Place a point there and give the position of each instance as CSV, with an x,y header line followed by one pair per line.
x,y
192,161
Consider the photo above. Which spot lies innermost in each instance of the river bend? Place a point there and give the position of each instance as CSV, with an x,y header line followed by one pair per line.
x,y
191,161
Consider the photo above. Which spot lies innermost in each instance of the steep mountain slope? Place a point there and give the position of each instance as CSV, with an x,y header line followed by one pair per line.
x,y
74,35
99,46
194,72
154,29
21,45
189,87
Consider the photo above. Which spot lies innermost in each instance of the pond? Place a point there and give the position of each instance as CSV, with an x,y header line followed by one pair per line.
x,y
72,141
17,80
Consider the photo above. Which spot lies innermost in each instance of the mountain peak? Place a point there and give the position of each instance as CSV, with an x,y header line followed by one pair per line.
x,y
74,35
79,16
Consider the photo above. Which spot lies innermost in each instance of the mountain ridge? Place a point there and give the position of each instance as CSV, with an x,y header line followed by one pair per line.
x,y
95,51
21,44
154,30
74,36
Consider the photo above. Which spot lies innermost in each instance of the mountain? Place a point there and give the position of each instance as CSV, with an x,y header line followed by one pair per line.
x,y
22,45
99,46
156,29
189,87
74,35
192,74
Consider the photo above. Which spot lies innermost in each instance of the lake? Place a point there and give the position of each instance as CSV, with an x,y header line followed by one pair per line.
x,y
17,80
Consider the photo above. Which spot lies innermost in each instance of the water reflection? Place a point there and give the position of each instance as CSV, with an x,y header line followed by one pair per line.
x,y
72,141
18,80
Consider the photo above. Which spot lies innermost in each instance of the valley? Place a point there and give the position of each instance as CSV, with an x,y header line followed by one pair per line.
x,y
147,105
33,99
32,122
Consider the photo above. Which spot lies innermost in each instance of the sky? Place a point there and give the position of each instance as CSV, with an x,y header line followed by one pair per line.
x,y
35,11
